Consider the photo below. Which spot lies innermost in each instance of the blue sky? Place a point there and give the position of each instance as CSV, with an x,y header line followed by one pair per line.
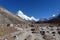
x,y
36,8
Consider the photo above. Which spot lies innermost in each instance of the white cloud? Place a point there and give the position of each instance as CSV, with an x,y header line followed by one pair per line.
x,y
23,16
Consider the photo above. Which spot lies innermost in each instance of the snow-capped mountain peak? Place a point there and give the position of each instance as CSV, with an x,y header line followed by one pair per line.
x,y
23,16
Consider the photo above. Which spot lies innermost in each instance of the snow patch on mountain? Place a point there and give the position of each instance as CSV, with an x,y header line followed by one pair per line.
x,y
23,16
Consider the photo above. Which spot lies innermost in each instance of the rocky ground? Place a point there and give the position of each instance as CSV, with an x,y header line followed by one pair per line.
x,y
30,32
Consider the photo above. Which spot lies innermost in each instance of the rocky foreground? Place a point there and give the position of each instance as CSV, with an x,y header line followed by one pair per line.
x,y
30,32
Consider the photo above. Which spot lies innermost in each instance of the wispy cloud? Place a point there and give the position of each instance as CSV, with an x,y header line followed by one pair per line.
x,y
23,16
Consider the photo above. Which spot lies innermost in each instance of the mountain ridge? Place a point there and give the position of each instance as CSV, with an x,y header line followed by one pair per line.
x,y
12,17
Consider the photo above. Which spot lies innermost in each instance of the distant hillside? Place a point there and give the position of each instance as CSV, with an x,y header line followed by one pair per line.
x,y
54,20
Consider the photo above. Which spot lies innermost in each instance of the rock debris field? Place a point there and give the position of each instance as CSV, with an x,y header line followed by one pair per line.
x,y
30,32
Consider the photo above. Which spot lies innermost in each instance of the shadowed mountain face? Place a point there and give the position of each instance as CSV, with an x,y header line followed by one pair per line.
x,y
55,20
8,17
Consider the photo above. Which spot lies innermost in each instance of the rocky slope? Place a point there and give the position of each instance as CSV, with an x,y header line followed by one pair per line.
x,y
9,17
